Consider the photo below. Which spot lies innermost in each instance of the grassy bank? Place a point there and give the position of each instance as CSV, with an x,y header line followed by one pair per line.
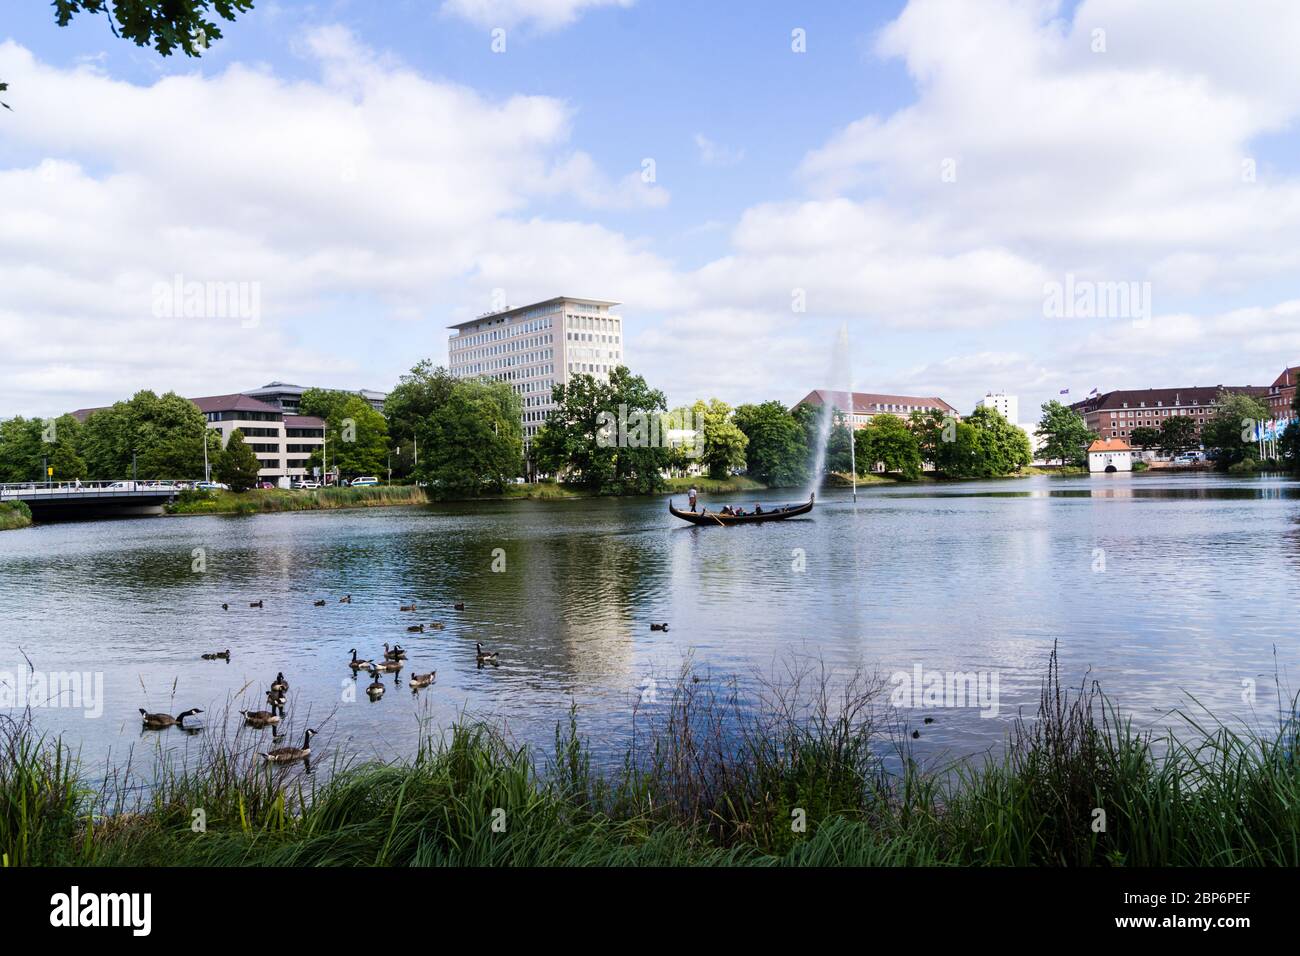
x,y
704,782
713,486
263,500
14,514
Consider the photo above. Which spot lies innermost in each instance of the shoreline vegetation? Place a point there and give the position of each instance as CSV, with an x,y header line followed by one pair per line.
x,y
14,515
267,501
800,778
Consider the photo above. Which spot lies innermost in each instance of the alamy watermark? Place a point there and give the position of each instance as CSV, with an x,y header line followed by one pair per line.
x,y
642,429
181,299
74,690
1085,299
923,688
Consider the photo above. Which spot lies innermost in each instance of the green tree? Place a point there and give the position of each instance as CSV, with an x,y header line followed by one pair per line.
x,y
1178,435
887,439
472,443
20,450
777,449
1065,435
724,442
1144,436
986,445
1230,430
602,434
932,428
356,436
237,466
162,436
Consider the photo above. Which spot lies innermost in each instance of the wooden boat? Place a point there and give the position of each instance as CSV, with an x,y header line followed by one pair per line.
x,y
716,518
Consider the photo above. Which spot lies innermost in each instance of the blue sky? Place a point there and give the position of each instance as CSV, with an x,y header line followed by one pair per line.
x,y
377,172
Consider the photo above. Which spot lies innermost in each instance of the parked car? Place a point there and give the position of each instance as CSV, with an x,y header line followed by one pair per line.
x,y
211,486
364,481
306,483
266,485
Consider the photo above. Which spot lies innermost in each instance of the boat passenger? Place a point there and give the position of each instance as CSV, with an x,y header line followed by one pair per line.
x,y
758,509
726,509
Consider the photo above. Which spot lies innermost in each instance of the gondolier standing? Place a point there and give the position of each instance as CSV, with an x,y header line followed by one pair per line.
x,y
693,494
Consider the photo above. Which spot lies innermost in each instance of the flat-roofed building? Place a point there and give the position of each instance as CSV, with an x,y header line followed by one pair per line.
x,y
536,347
1115,414
282,443
287,397
867,405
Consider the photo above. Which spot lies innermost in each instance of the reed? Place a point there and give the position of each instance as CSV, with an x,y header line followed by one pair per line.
x,y
716,775
14,515
264,501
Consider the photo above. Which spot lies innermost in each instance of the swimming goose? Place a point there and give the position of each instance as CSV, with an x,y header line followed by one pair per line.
x,y
376,688
264,718
485,657
162,721
217,655
225,606
422,680
346,600
437,625
398,653
416,628
290,754
279,685
254,603
387,667
408,607
320,603
659,627
357,663
459,605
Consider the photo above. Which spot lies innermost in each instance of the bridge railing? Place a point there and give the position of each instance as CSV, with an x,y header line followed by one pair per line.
x,y
70,489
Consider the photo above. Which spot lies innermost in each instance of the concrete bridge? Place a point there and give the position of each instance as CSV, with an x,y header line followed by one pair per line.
x,y
93,498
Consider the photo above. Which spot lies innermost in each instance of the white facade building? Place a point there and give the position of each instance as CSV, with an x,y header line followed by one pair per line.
x,y
1109,455
1008,405
536,347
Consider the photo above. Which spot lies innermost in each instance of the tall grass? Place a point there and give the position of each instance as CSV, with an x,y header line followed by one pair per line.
x,y
14,514
261,501
793,774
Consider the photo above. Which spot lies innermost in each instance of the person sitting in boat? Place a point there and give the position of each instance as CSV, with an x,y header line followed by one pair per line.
x,y
758,509
738,511
726,509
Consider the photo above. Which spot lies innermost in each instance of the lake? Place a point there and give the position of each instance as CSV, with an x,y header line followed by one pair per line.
x,y
1163,588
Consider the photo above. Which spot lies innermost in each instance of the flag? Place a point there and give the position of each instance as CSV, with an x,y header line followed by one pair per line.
x,y
1093,392
1065,391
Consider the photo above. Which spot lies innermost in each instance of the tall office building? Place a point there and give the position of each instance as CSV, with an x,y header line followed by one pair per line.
x,y
535,347
1008,405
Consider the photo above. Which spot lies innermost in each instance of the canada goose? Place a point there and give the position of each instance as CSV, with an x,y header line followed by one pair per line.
x,y
346,600
416,628
290,754
320,603
254,603
459,605
357,663
437,625
422,680
387,667
659,627
485,657
398,653
225,606
217,655
376,688
408,607
279,685
161,721
263,718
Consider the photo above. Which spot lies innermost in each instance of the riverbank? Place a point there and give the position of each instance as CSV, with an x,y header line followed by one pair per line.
x,y
706,783
550,490
14,515
264,500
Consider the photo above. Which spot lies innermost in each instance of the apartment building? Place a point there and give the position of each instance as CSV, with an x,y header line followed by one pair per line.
x,y
282,443
536,347
1115,414
867,405
1282,393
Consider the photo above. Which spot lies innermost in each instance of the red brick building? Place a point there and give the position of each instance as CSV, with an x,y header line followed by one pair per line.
x,y
1282,393
1116,414
867,405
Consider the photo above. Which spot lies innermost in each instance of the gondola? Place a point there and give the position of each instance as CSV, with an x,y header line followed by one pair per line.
x,y
715,518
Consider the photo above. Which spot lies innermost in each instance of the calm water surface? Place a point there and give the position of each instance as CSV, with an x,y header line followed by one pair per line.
x,y
1199,592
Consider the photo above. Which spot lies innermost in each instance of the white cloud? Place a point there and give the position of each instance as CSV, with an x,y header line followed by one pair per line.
x,y
715,154
546,14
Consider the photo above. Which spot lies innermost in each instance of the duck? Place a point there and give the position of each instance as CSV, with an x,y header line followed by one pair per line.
x,y
254,603
416,628
422,680
659,627
217,655
408,607
162,721
264,718
357,664
320,603
291,754
376,688
459,605
225,606
346,599
279,685
485,657
437,625
387,667
398,653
